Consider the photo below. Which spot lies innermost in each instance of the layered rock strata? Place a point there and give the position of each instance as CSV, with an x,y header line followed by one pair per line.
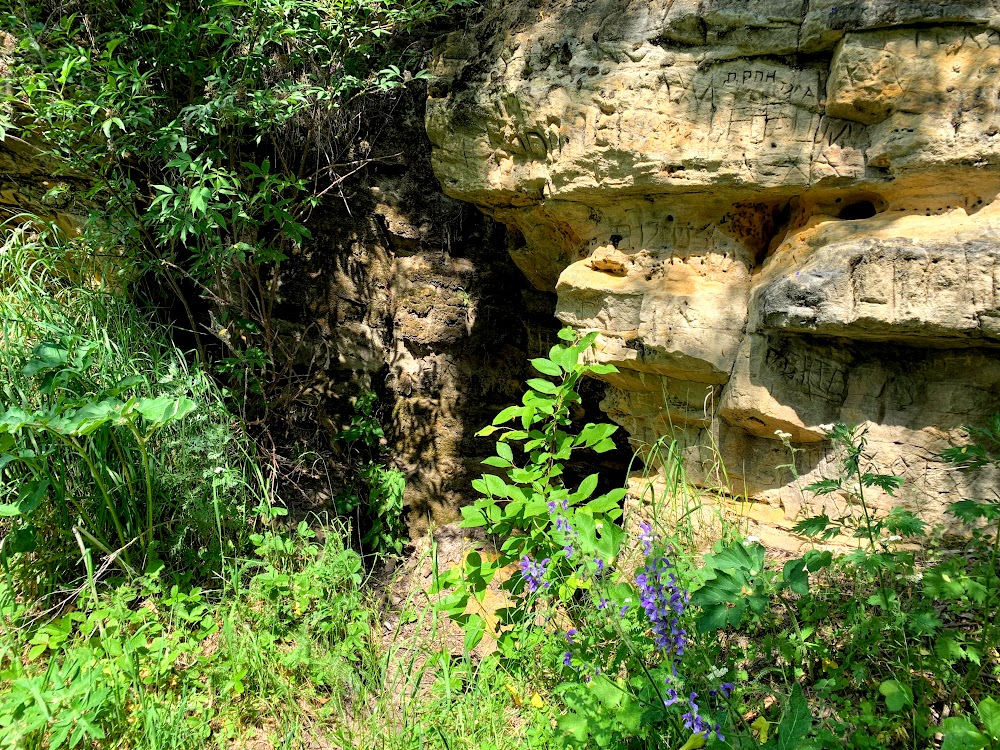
x,y
778,213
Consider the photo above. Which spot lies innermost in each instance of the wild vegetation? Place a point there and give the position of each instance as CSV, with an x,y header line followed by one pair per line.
x,y
157,591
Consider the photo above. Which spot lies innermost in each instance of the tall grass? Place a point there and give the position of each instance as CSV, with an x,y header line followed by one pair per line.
x,y
73,342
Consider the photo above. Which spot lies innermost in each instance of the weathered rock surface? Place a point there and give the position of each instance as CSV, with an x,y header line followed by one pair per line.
x,y
778,213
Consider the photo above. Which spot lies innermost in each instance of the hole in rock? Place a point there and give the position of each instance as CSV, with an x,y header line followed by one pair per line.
x,y
858,210
616,240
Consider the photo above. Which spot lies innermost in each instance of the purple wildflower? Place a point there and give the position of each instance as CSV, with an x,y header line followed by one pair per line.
x,y
568,549
600,566
533,572
551,506
603,604
664,600
694,721
647,537
569,634
623,610
568,659
562,524
724,689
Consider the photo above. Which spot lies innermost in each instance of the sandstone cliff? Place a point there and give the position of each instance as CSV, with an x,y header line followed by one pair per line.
x,y
778,213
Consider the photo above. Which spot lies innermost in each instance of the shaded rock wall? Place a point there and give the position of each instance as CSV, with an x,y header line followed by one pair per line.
x,y
778,213
410,294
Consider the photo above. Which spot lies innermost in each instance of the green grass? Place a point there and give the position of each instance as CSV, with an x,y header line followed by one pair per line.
x,y
290,663
73,340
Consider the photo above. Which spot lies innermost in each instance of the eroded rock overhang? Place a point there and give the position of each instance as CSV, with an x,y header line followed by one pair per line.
x,y
778,213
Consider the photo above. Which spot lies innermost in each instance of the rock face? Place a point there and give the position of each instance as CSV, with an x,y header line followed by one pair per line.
x,y
778,213
409,294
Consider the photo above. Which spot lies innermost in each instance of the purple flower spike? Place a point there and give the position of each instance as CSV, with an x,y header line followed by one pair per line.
x,y
663,601
533,572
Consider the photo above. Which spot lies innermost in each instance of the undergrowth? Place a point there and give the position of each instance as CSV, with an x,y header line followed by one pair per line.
x,y
153,592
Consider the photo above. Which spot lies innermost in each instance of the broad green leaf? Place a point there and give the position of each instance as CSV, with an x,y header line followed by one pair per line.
x,y
694,742
21,540
961,734
164,409
795,576
453,604
989,714
602,369
898,697
816,560
508,414
605,503
9,510
795,722
28,499
564,356
586,529
586,489
722,615
606,691
472,517
46,356
547,367
592,434
90,418
543,386
505,452
14,419
124,384
495,486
